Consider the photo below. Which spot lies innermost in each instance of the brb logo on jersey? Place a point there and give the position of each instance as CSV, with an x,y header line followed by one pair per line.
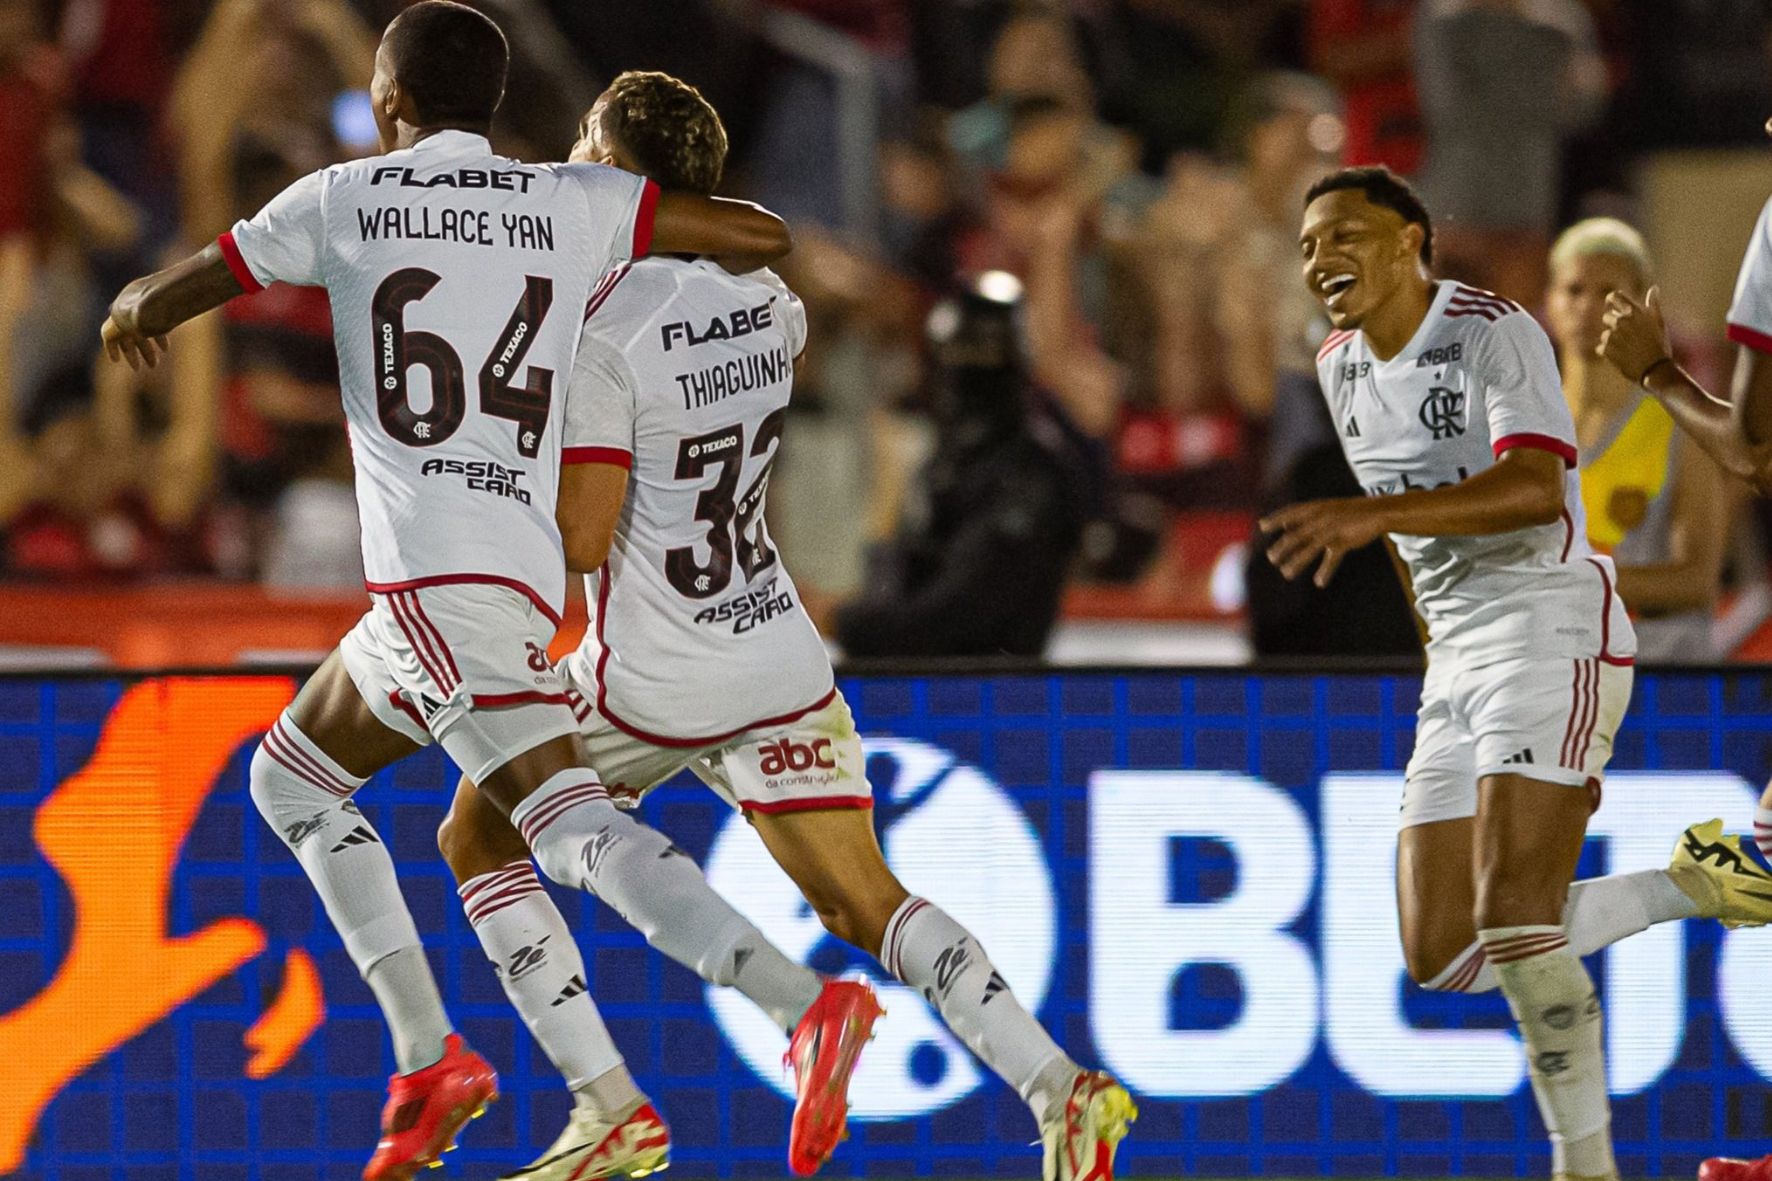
x,y
950,833
1442,412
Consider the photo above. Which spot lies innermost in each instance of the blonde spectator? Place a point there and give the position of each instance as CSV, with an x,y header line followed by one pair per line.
x,y
1654,501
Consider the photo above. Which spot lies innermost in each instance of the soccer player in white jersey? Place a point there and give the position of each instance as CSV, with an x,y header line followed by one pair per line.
x,y
448,264
1450,410
700,655
1736,433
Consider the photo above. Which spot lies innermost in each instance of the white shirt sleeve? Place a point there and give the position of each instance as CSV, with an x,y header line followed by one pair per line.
x,y
284,241
621,206
1522,392
600,407
1750,312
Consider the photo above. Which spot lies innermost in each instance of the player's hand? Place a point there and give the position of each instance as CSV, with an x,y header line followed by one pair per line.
x,y
1319,533
1636,334
124,343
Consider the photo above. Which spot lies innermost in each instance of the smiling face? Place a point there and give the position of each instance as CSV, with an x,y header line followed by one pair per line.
x,y
1356,254
1576,302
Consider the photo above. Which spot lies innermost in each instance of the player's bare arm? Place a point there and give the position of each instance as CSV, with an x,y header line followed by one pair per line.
x,y
1736,433
1524,488
152,306
591,496
736,232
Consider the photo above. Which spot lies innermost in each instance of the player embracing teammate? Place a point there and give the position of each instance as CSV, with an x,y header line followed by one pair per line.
x,y
458,281
441,258
1449,407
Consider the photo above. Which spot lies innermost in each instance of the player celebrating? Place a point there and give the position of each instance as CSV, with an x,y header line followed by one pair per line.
x,y
1450,410
699,655
1736,433
438,256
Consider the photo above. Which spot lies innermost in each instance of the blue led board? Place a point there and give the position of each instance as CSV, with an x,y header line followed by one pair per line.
x,y
1188,875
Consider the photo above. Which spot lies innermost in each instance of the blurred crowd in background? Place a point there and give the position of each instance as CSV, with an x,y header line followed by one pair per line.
x,y
1123,176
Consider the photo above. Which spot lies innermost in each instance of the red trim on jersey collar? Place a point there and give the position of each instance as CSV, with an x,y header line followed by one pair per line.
x,y
643,220
810,804
614,456
1548,443
522,588
237,263
1753,339
632,731
1334,341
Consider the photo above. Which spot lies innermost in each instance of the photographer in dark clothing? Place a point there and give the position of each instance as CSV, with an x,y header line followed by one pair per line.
x,y
979,563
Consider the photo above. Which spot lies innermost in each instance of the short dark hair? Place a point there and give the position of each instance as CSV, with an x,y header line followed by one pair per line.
x,y
672,132
451,59
1382,187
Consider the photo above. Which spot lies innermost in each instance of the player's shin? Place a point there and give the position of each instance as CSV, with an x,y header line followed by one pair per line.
x,y
1553,1000
1599,913
582,840
306,797
539,965
935,955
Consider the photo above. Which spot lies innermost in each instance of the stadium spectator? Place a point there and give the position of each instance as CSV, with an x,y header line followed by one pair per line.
x,y
1654,500
1503,84
1364,48
981,557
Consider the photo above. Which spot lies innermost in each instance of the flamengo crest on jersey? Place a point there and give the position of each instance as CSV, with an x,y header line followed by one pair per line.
x,y
457,280
1478,379
696,630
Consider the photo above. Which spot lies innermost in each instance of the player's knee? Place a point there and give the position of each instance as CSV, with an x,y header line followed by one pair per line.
x,y
856,917
1424,964
471,846
280,796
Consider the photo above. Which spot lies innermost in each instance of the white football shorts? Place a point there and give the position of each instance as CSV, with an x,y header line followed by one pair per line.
x,y
810,764
1550,720
462,664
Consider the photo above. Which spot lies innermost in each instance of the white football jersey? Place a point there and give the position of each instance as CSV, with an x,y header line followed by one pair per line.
x,y
458,281
1479,378
1750,312
696,632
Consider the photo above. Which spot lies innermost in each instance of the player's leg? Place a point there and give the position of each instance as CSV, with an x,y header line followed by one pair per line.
x,y
834,857
326,744
303,777
580,838
614,1129
1529,834
1528,837
1435,894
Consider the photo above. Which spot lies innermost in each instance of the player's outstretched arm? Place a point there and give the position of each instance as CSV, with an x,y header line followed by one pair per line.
x,y
150,307
742,236
1637,344
1524,488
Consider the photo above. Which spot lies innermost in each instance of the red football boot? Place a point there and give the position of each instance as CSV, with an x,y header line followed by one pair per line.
x,y
823,1051
1726,1168
427,1108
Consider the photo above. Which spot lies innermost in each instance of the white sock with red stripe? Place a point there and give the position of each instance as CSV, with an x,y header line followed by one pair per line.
x,y
1763,826
924,947
1553,1000
1600,912
538,962
306,798
582,840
